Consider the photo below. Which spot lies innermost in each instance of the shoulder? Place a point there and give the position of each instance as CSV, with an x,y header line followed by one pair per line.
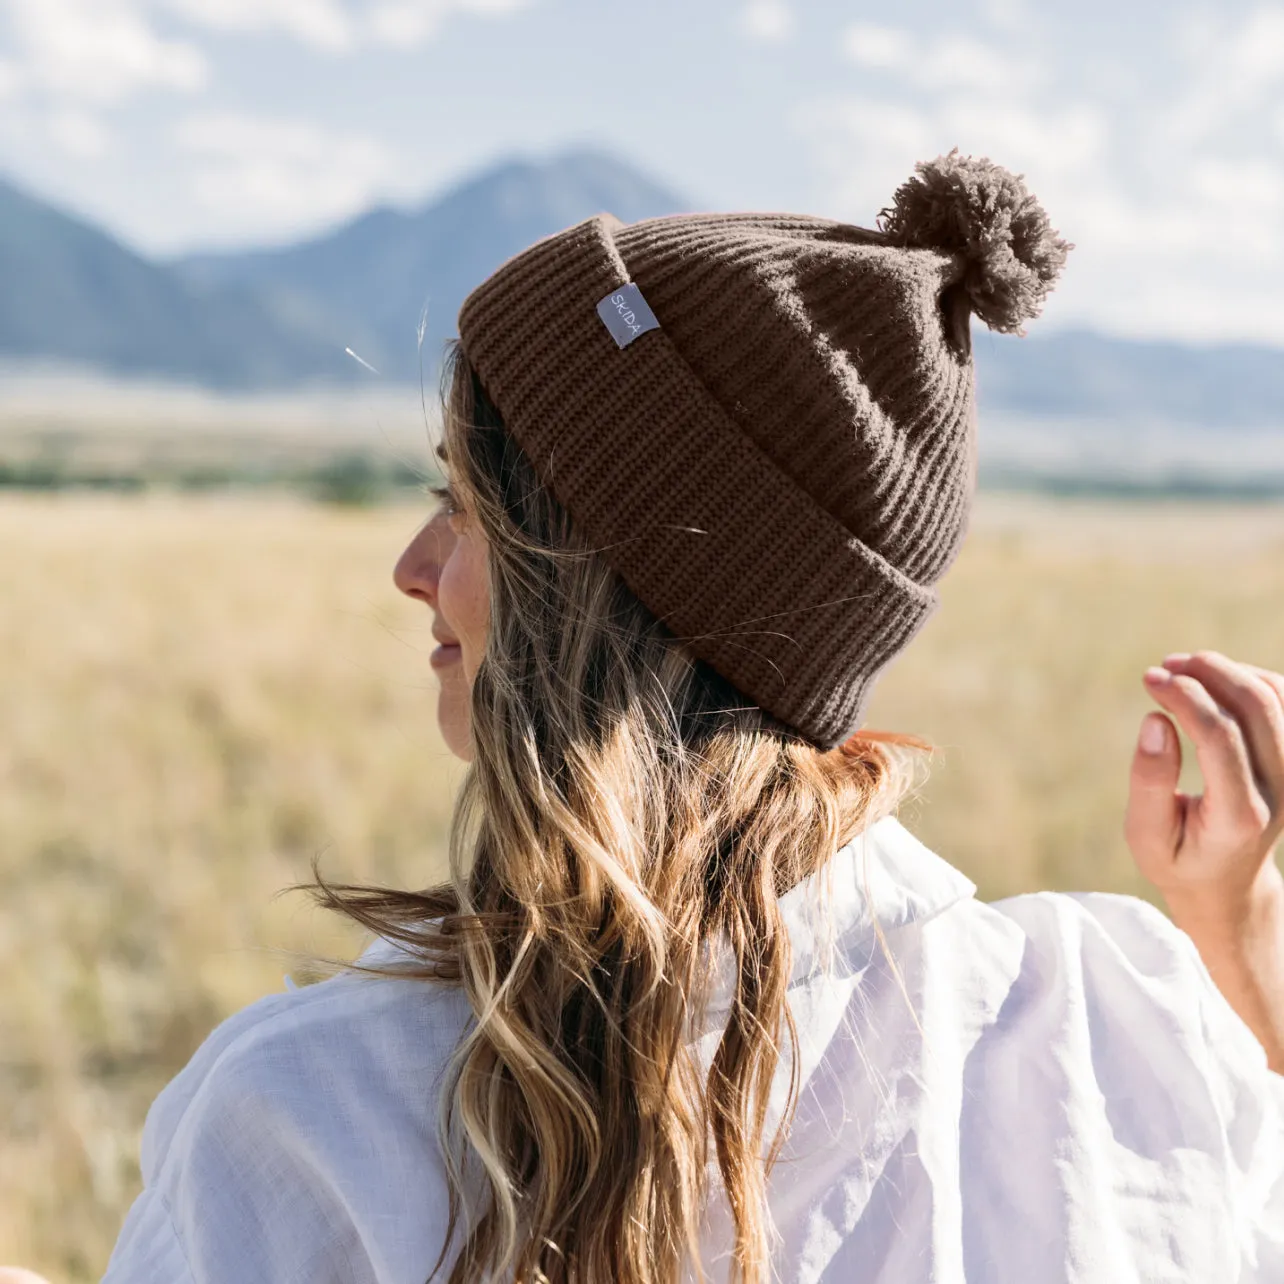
x,y
1117,972
357,1037
1106,1040
1100,1092
303,1131
1123,926
1119,958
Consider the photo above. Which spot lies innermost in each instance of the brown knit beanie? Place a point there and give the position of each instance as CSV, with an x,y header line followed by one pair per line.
x,y
765,422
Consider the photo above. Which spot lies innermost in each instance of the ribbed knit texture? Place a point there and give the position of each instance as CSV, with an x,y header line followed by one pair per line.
x,y
783,470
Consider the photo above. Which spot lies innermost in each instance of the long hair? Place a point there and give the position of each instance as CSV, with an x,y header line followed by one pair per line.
x,y
627,819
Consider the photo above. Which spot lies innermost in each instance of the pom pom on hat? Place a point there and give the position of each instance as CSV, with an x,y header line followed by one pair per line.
x,y
973,207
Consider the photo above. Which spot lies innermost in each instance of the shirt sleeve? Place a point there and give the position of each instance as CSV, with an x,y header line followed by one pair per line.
x,y
148,1247
245,1194
299,1145
1166,1043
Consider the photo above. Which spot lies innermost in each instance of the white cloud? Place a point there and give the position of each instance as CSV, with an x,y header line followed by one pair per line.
x,y
323,24
1252,56
1168,174
1064,140
95,51
869,145
967,63
1005,15
407,23
866,147
1229,74
267,176
769,21
872,46
939,63
339,26
104,51
80,134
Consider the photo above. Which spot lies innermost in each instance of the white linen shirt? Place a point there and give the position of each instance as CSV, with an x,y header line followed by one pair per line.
x,y
1044,1089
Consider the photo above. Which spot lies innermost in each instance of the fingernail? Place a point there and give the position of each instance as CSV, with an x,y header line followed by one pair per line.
x,y
1156,674
1177,657
1154,735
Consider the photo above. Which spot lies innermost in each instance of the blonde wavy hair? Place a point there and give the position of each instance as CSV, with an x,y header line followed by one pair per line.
x,y
626,814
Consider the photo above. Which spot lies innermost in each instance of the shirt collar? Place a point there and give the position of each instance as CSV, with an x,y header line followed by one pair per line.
x,y
883,880
883,877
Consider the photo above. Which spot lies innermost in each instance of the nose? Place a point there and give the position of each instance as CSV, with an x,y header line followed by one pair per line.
x,y
418,569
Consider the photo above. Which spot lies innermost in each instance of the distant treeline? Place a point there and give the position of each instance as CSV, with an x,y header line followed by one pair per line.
x,y
363,477
1188,485
349,477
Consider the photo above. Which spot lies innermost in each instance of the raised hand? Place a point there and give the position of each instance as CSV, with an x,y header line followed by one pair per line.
x,y
1212,855
1213,848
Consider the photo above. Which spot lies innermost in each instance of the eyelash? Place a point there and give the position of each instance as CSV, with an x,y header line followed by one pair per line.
x,y
445,497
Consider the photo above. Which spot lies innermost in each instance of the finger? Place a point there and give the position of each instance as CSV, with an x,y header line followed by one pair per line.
x,y
1219,744
1154,817
1273,680
1256,706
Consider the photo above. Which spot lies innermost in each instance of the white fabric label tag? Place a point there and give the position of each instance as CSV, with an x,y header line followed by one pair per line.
x,y
626,314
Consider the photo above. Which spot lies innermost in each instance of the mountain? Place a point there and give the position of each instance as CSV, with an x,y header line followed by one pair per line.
x,y
282,317
72,293
367,285
1085,376
370,282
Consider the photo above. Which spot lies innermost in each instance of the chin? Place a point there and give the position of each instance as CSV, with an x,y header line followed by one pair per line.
x,y
461,745
453,722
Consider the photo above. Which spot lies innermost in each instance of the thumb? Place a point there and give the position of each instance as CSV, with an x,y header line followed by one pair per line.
x,y
1153,822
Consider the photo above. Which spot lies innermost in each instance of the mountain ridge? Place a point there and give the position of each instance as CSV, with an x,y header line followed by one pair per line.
x,y
74,293
280,317
377,276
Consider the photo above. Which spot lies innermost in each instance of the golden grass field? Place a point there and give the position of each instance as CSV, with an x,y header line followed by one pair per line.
x,y
199,695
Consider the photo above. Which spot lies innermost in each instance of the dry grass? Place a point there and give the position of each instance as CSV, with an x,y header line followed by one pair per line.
x,y
197,697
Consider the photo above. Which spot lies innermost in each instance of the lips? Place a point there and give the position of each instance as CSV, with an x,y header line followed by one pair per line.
x,y
446,653
447,650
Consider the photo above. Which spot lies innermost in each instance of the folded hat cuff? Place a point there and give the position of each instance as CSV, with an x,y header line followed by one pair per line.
x,y
727,550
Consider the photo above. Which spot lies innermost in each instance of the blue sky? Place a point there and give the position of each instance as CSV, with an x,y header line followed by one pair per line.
x,y
1154,133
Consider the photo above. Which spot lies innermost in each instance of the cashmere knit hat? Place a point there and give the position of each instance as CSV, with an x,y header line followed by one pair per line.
x,y
765,422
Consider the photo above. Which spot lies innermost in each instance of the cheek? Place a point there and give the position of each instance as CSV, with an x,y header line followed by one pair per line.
x,y
465,597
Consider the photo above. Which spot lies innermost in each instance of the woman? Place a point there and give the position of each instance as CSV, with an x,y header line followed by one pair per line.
x,y
693,1003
